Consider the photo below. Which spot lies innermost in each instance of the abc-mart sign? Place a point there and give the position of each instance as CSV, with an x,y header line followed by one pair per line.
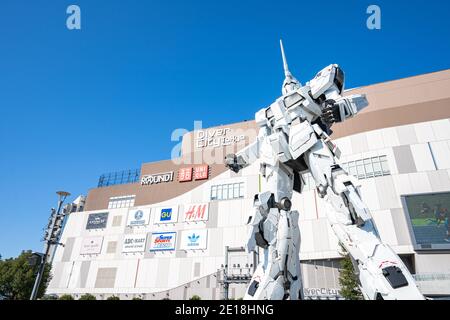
x,y
157,178
134,243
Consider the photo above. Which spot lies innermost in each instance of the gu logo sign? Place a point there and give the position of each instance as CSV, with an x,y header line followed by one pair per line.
x,y
196,212
166,215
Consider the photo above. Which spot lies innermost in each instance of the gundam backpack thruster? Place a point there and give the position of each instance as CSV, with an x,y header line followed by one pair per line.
x,y
293,140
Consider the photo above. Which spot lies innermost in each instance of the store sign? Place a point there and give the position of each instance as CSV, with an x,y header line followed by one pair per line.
x,y
196,173
216,138
321,292
91,245
163,241
134,243
166,215
185,174
194,239
97,221
201,172
139,217
196,212
157,178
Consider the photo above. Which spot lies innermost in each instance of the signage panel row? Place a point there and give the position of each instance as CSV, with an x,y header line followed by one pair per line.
x,y
162,215
159,241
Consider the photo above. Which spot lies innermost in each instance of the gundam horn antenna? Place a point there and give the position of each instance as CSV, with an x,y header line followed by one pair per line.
x,y
290,83
287,73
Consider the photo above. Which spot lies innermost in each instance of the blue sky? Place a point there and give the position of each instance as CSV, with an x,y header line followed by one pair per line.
x,y
76,104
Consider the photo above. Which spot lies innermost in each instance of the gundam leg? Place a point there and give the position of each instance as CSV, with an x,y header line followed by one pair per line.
x,y
274,228
382,274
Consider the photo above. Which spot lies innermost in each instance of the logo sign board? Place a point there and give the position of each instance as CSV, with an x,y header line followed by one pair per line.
x,y
196,212
216,138
134,243
194,239
138,217
157,178
321,292
185,174
201,172
91,245
166,215
163,241
97,221
197,173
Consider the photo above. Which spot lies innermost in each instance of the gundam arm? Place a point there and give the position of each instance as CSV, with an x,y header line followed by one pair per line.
x,y
382,274
248,155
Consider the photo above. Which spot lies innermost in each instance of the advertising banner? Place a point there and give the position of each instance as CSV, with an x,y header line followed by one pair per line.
x,y
97,221
162,241
138,217
166,214
134,243
429,219
196,212
91,245
194,239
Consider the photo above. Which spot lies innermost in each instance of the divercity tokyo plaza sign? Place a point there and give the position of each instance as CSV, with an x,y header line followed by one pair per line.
x,y
157,178
216,138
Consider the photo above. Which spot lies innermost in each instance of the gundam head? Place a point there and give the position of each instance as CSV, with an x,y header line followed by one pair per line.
x,y
290,83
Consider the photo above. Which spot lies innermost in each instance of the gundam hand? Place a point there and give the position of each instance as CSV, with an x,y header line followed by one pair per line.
x,y
234,163
330,112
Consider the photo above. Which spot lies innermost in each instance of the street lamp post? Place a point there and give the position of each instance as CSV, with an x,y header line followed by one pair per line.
x,y
48,242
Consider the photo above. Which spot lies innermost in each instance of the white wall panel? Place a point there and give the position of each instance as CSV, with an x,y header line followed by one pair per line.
x,y
422,157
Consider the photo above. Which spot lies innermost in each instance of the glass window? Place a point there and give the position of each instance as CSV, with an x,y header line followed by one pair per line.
x,y
219,192
384,165
213,192
360,169
236,191
241,190
377,167
368,168
352,169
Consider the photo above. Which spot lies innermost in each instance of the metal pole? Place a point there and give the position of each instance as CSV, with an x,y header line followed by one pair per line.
x,y
47,246
225,275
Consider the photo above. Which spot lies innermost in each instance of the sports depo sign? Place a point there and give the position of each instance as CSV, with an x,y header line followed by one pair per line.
x,y
162,241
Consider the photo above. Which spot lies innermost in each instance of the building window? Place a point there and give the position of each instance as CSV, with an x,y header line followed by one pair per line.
x,y
361,169
121,202
227,191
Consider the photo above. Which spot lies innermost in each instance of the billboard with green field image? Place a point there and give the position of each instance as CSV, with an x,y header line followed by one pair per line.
x,y
429,219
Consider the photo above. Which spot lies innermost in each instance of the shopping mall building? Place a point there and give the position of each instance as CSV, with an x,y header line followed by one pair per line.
x,y
176,228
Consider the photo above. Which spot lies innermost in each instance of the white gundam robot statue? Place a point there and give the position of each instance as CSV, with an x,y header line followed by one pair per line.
x,y
293,140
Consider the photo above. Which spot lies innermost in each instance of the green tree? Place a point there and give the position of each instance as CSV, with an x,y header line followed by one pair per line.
x,y
87,296
17,277
348,279
195,297
136,298
66,297
113,298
